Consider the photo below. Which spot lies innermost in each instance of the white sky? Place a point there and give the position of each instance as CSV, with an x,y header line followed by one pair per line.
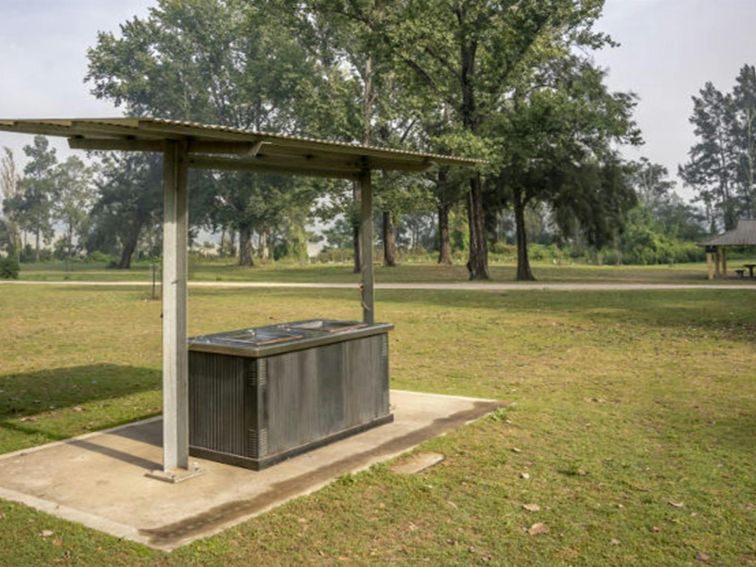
x,y
670,48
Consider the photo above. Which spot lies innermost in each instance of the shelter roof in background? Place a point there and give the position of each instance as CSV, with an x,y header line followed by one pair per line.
x,y
742,235
222,147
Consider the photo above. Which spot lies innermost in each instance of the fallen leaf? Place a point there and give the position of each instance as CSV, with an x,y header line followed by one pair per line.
x,y
676,504
656,529
77,409
537,529
524,475
702,557
57,542
531,507
516,450
46,533
614,541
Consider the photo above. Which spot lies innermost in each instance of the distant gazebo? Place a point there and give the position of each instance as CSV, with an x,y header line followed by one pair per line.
x,y
716,258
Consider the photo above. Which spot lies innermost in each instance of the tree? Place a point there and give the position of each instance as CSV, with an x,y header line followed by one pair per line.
x,y
466,56
127,204
32,205
661,206
222,62
74,193
722,163
9,190
744,101
711,170
557,147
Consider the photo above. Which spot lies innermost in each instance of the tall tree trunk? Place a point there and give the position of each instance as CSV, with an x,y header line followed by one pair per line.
x,y
245,246
389,240
477,264
265,244
69,244
129,247
444,241
222,248
524,272
356,228
36,245
232,243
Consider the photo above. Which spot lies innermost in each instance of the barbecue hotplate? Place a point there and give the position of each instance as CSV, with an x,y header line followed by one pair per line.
x,y
282,333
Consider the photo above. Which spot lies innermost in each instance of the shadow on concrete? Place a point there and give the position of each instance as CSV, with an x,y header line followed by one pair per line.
x,y
149,433
115,454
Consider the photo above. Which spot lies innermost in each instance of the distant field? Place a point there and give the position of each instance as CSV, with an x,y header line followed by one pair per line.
x,y
633,416
405,273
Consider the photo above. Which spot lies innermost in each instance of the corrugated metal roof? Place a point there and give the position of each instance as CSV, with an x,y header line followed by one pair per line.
x,y
244,149
743,235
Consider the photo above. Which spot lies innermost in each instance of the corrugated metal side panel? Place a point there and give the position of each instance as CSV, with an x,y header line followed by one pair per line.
x,y
291,404
321,391
366,379
216,402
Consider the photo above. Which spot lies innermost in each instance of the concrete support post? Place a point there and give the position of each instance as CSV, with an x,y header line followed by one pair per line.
x,y
366,245
710,265
175,353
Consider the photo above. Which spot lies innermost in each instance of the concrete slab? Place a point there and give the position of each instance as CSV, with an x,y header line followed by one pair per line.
x,y
99,479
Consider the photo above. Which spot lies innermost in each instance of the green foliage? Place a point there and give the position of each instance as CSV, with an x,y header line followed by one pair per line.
x,y
722,164
31,207
229,63
128,202
335,256
74,195
640,244
9,268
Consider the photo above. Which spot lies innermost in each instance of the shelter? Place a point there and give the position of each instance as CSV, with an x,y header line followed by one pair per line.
x,y
187,145
716,248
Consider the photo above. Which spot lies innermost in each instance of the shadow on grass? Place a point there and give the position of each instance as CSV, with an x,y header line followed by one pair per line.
x,y
30,403
31,393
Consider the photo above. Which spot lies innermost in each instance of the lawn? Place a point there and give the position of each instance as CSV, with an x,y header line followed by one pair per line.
x,y
632,425
228,271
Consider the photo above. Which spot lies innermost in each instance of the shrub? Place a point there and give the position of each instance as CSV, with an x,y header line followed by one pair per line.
x,y
335,255
9,268
98,257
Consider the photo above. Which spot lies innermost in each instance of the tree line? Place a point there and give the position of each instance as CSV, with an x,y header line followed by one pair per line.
x,y
510,81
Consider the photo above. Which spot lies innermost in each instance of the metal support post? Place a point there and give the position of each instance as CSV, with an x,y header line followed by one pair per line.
x,y
366,242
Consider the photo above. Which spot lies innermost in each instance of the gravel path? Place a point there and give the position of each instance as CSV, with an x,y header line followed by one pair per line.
x,y
447,286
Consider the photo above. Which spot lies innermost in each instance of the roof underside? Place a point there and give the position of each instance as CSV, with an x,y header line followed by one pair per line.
x,y
224,148
743,235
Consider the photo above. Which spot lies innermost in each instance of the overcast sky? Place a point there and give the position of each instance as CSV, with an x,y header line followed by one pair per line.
x,y
669,49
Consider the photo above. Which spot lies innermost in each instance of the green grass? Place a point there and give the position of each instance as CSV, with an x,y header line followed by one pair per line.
x,y
621,404
227,270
